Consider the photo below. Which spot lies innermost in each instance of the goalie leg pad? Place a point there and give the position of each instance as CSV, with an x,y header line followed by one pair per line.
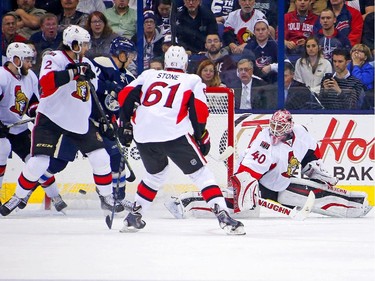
x,y
245,192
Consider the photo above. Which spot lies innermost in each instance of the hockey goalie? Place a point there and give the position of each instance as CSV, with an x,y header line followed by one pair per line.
x,y
265,178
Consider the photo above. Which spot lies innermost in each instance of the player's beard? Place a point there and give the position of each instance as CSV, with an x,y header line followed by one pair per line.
x,y
24,71
215,52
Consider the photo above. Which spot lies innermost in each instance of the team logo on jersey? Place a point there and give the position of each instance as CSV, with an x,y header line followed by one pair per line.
x,y
243,35
83,91
293,165
265,145
20,103
111,103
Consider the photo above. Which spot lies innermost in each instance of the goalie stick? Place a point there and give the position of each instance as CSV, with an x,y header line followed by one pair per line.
x,y
296,213
23,121
223,156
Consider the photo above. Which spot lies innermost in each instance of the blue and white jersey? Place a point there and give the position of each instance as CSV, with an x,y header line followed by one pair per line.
x,y
110,78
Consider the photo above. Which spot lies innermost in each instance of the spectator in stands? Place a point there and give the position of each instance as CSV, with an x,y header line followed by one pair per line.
x,y
157,64
268,7
50,6
28,17
312,66
316,6
249,92
296,94
368,32
48,38
221,9
208,73
342,90
152,40
239,26
349,21
264,51
363,6
9,34
298,26
101,35
89,6
214,48
194,22
122,18
70,15
328,36
360,66
162,13
167,42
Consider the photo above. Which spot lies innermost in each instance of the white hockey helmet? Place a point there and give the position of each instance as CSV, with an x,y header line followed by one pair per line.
x,y
75,34
20,50
176,58
281,124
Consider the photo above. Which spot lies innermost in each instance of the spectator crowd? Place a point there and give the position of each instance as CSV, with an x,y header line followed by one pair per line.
x,y
329,44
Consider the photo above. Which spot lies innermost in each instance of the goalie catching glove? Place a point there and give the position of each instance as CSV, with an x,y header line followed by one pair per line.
x,y
315,170
125,133
204,143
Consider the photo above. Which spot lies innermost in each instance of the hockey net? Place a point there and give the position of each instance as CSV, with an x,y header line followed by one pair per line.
x,y
76,184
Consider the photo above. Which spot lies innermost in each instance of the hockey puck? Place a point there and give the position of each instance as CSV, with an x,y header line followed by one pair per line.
x,y
82,191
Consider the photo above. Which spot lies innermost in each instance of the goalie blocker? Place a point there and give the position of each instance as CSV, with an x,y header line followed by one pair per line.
x,y
329,200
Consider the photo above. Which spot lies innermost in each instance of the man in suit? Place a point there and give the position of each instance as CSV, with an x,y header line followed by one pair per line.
x,y
249,89
297,95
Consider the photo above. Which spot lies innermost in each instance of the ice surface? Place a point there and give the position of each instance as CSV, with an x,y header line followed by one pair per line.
x,y
43,245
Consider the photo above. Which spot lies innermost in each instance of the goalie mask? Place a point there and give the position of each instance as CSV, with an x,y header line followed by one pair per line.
x,y
75,34
20,50
281,124
176,58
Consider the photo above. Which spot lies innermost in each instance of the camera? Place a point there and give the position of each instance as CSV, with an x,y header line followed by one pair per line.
x,y
327,76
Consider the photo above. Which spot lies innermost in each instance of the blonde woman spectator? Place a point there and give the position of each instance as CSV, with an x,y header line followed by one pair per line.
x,y
312,66
360,66
101,35
209,74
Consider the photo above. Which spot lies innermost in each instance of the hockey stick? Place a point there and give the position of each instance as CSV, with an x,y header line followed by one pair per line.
x,y
223,156
23,121
109,218
296,213
131,177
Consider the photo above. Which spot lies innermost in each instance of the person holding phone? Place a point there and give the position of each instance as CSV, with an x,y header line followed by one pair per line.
x,y
341,90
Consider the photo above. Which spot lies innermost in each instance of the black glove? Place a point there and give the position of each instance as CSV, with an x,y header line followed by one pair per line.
x,y
83,70
4,130
204,143
112,87
125,134
105,130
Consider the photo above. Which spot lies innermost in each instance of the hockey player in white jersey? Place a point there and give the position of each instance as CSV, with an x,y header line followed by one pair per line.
x,y
19,96
269,164
64,109
170,104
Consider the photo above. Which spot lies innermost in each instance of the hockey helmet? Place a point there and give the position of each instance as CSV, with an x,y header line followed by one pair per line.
x,y
20,50
176,58
75,34
121,44
281,124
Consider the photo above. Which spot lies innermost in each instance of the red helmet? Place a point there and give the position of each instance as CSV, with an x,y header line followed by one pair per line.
x,y
281,124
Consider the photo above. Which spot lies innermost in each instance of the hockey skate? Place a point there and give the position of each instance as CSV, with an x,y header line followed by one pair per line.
x,y
9,206
231,226
107,202
59,203
133,222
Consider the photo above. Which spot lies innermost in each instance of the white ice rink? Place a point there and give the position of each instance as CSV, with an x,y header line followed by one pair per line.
x,y
43,245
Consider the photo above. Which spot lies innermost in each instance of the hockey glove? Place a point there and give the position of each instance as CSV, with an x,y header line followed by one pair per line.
x,y
83,70
204,143
4,130
315,170
105,130
126,134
